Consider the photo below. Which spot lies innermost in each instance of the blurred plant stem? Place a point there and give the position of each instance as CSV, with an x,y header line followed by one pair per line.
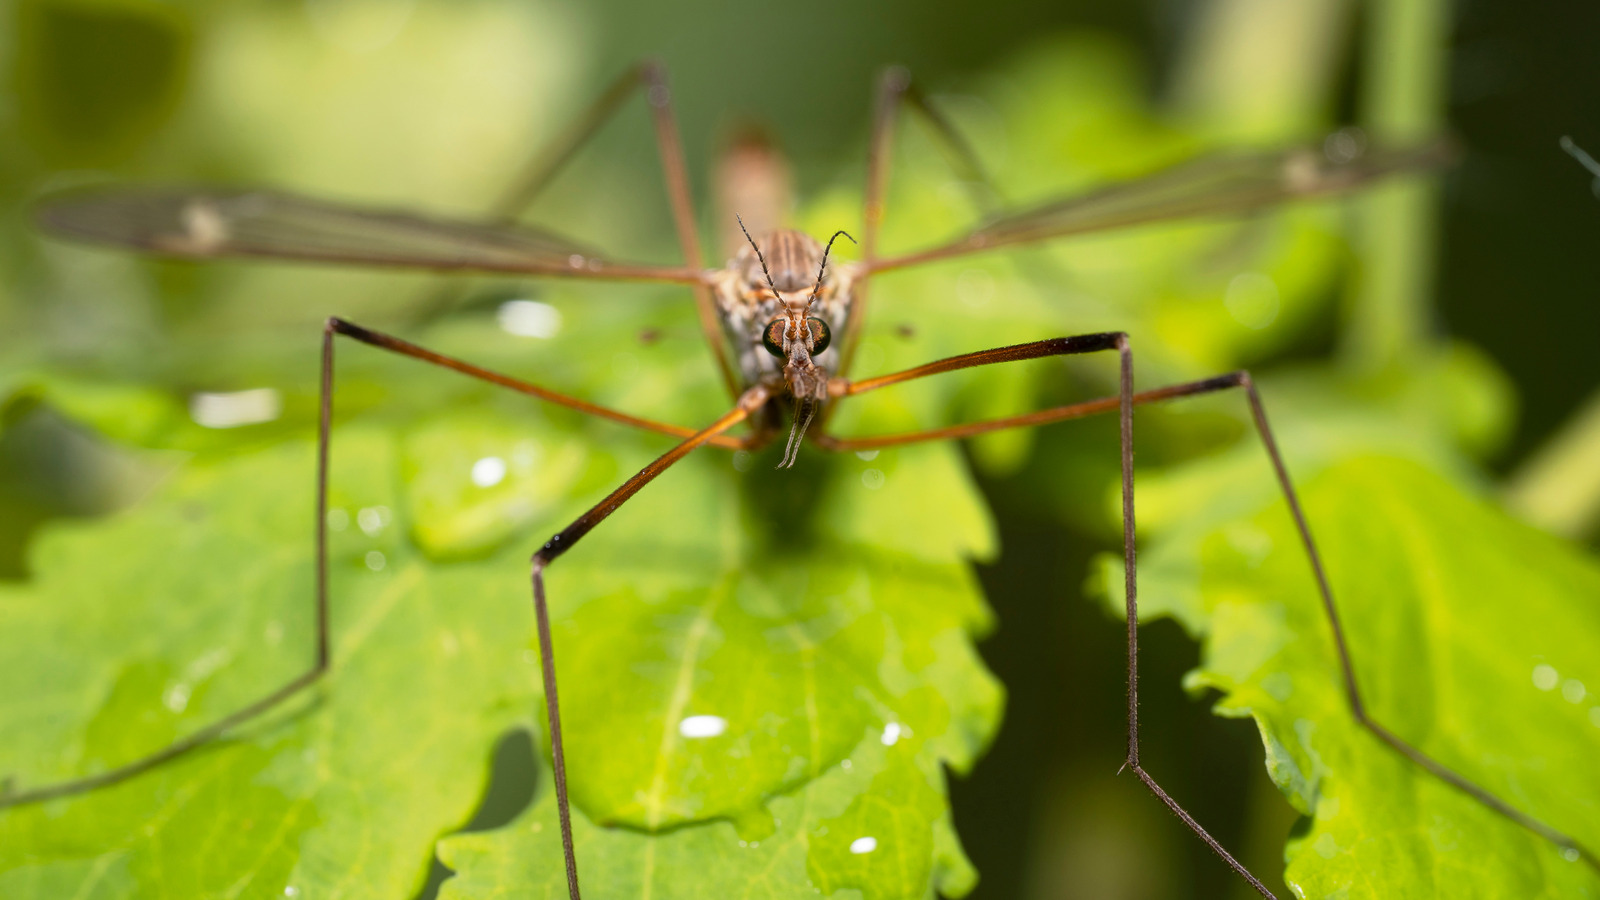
x,y
1259,71
1402,100
1559,488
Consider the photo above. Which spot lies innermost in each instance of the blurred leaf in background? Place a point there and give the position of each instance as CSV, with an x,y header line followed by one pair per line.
x,y
94,81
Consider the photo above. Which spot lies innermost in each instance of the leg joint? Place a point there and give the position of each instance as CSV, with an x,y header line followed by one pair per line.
x,y
1089,343
895,80
557,545
336,325
652,71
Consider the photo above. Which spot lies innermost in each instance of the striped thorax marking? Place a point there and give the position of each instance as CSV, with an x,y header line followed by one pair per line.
x,y
748,306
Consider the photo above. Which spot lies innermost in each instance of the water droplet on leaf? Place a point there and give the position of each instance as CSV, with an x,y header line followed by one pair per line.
x,y
702,726
489,471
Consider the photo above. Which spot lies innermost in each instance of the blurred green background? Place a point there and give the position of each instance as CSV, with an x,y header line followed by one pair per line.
x,y
436,104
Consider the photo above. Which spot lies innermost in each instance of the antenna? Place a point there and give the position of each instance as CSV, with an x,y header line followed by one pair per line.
x,y
763,259
824,267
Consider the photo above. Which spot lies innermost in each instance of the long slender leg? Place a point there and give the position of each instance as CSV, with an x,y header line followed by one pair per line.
x,y
319,666
677,176
986,194
405,348
535,176
651,76
542,169
891,86
749,402
895,87
1026,420
1123,402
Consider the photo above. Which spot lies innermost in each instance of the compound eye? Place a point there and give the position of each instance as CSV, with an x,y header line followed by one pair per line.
x,y
772,338
820,335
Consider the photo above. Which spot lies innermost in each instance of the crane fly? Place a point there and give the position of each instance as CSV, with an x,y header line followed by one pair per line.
x,y
781,319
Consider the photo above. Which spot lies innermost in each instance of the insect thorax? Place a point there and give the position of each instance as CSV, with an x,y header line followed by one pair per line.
x,y
746,301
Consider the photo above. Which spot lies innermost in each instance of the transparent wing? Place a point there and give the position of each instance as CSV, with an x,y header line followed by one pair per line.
x,y
1210,185
222,223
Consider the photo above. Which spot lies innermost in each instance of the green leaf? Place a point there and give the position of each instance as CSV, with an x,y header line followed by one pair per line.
x,y
1472,637
93,81
863,825
149,624
787,635
795,626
